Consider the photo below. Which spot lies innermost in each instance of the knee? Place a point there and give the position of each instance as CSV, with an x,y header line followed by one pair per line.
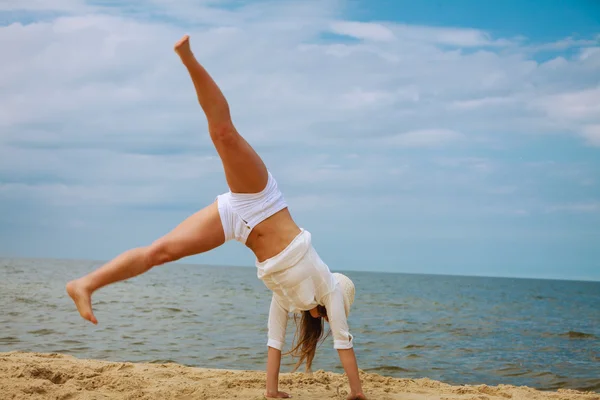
x,y
224,133
160,252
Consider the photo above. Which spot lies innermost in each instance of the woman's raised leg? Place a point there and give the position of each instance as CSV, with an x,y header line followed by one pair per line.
x,y
199,233
244,169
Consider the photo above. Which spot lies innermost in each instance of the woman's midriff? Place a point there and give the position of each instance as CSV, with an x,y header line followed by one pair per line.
x,y
272,235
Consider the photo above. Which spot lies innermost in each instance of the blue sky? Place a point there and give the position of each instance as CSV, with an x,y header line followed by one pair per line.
x,y
425,137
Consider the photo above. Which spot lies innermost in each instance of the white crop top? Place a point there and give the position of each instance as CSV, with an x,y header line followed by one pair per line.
x,y
241,212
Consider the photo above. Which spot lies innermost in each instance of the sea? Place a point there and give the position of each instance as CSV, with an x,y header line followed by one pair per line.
x,y
460,330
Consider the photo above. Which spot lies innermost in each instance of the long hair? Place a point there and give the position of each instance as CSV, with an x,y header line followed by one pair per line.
x,y
308,334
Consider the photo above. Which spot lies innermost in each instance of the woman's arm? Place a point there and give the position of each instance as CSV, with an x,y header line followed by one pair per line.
x,y
348,359
343,341
277,325
273,365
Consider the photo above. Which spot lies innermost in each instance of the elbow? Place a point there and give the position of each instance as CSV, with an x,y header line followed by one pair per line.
x,y
344,340
343,344
275,344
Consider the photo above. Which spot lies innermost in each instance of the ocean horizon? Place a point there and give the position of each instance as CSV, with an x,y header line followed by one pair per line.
x,y
99,261
542,333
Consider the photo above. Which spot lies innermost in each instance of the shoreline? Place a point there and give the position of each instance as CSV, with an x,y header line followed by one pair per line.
x,y
30,375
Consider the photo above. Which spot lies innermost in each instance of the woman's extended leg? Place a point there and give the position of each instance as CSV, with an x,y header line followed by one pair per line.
x,y
244,169
199,233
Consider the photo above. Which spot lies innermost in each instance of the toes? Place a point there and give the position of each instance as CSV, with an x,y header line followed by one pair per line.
x,y
182,41
90,317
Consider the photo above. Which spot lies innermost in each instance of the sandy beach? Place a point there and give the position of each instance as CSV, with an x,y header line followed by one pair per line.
x,y
57,376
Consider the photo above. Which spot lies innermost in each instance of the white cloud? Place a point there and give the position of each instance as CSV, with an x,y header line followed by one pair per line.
x,y
475,164
127,68
573,111
578,207
506,211
576,106
566,43
70,195
91,98
71,6
485,102
458,37
590,52
363,30
359,98
592,134
424,138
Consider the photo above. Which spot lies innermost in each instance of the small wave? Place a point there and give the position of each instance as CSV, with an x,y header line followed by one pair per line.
x,y
538,297
548,349
468,350
388,368
397,305
25,300
9,340
421,346
415,346
592,386
512,372
398,332
70,341
73,350
162,361
368,343
172,309
578,335
544,373
366,331
42,332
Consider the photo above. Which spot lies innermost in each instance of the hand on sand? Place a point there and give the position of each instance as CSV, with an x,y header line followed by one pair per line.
x,y
83,300
182,47
358,396
278,395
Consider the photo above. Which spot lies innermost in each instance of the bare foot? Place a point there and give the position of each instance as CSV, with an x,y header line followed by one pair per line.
x,y
358,396
182,47
278,395
83,300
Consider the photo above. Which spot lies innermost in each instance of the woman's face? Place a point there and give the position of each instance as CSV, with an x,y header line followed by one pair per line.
x,y
318,312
